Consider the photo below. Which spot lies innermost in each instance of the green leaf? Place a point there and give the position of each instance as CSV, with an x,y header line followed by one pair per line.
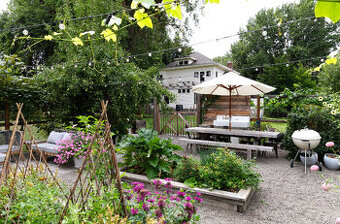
x,y
172,9
164,166
191,182
151,172
143,19
328,9
212,1
154,162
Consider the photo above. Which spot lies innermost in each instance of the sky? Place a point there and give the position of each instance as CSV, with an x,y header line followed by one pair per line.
x,y
225,18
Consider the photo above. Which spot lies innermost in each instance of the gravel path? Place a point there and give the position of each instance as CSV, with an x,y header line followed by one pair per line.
x,y
287,195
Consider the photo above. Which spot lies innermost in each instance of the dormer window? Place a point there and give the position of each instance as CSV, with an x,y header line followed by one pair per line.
x,y
186,62
180,63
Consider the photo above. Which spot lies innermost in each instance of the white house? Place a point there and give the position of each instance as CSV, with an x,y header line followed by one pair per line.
x,y
182,74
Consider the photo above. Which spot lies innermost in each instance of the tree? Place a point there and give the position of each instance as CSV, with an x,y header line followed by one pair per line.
x,y
82,76
303,39
329,76
17,89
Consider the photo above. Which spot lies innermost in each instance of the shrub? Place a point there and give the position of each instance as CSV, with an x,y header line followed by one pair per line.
x,y
186,168
222,170
316,118
148,154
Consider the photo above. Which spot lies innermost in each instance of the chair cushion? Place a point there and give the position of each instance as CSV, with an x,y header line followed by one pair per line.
x,y
54,137
47,147
2,157
4,148
65,136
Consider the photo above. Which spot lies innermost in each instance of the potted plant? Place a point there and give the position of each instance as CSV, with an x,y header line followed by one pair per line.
x,y
331,160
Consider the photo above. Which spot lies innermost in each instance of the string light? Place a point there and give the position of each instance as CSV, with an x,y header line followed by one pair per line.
x,y
25,32
127,60
179,50
62,26
75,65
256,69
287,65
264,33
150,54
322,60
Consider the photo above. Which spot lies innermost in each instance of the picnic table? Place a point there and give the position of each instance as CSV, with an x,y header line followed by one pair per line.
x,y
206,134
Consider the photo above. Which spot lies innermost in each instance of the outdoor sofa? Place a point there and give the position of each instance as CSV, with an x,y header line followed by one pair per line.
x,y
5,138
50,147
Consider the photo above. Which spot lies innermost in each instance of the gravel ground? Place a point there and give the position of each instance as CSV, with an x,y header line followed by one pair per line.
x,y
287,195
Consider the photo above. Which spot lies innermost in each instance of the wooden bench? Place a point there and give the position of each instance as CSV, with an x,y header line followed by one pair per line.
x,y
233,146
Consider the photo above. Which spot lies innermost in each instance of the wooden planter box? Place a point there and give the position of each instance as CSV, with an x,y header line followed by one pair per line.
x,y
241,199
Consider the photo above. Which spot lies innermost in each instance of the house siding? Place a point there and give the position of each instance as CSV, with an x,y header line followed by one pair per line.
x,y
184,79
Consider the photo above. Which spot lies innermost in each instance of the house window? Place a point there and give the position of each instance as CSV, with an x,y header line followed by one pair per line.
x,y
216,74
196,75
179,90
166,99
185,62
208,73
183,90
181,63
188,90
160,77
201,76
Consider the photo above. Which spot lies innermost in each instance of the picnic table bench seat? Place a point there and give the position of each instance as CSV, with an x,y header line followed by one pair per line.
x,y
233,146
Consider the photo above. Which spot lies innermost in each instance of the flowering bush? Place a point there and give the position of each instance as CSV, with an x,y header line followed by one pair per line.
x,y
74,146
163,204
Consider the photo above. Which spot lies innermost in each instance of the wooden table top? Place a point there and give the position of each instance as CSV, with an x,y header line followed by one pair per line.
x,y
235,132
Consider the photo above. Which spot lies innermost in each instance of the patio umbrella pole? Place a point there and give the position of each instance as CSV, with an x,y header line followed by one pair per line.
x,y
229,107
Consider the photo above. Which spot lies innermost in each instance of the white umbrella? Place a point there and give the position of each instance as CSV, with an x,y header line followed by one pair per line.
x,y
232,84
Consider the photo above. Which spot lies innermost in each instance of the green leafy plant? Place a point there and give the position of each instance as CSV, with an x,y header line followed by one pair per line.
x,y
148,154
222,170
37,200
317,118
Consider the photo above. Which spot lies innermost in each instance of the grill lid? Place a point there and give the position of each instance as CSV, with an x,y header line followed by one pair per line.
x,y
306,134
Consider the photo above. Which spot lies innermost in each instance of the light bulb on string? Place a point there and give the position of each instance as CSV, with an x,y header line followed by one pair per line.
x,y
179,50
150,54
256,69
287,65
63,67
25,32
128,60
264,33
108,63
61,26
75,65
322,60
90,64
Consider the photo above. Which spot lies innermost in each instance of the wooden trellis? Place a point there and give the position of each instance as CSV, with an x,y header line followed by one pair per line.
x,y
81,188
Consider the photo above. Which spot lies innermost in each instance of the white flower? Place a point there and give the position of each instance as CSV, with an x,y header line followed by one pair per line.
x,y
25,32
87,32
62,26
115,20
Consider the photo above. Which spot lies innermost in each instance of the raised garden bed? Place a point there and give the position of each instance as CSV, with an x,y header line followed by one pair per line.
x,y
241,199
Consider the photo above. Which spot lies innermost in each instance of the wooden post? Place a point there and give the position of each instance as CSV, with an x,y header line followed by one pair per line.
x,y
198,110
7,117
156,117
230,108
177,129
258,111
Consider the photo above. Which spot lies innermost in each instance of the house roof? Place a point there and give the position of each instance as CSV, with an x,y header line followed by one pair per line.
x,y
198,60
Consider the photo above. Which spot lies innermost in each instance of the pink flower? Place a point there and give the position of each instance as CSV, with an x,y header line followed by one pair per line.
x,y
314,168
337,221
329,144
326,187
134,211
